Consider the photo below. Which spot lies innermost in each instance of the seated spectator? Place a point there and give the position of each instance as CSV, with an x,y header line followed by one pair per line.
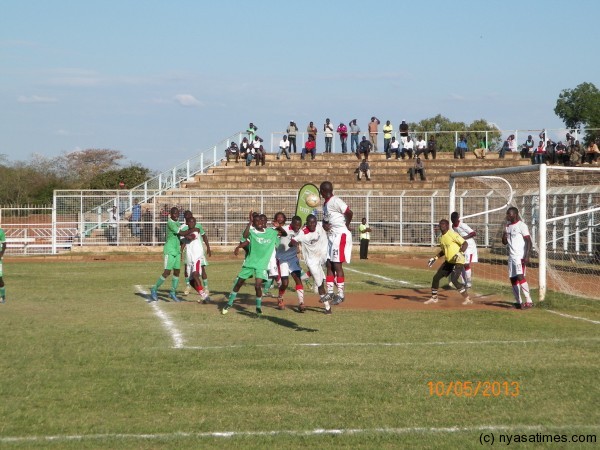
x,y
539,157
527,148
393,148
512,143
244,148
560,153
364,148
576,154
592,153
431,148
420,146
419,168
550,151
364,169
232,152
309,147
258,152
407,148
284,146
461,148
480,151
505,148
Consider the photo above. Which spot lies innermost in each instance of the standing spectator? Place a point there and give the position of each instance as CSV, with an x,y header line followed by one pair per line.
x,y
363,169
373,131
232,152
312,131
527,149
518,241
539,157
364,148
403,131
431,148
284,145
135,218
418,168
113,223
2,250
251,132
292,131
550,151
407,148
420,146
342,131
328,130
592,153
309,147
387,137
461,148
354,132
394,148
365,236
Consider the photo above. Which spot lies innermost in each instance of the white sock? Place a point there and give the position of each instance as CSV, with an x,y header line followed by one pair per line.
x,y
525,288
300,294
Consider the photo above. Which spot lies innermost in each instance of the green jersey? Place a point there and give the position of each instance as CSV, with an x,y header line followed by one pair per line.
x,y
2,238
262,244
172,244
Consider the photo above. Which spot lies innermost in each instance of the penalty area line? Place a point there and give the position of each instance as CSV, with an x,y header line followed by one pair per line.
x,y
294,433
406,283
569,316
168,324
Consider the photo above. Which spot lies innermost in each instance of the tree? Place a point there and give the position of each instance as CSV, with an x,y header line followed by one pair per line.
x,y
131,176
580,107
82,166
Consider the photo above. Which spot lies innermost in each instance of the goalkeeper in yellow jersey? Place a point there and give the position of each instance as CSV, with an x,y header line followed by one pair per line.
x,y
453,247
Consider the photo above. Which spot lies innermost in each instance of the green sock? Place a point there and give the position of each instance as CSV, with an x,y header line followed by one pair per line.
x,y
205,283
235,282
258,302
158,283
268,284
174,284
2,292
187,281
232,297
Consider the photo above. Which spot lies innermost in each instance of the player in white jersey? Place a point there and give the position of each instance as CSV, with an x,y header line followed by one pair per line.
x,y
194,256
468,234
518,241
184,241
338,215
288,264
279,220
313,238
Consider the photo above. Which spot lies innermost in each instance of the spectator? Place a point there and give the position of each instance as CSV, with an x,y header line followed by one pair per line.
x,y
461,148
364,148
418,168
258,152
421,146
394,148
403,131
527,148
364,169
354,132
539,157
342,130
147,227
244,148
576,154
505,148
232,152
113,223
309,147
560,153
592,153
328,130
373,130
284,146
251,132
480,151
365,235
550,151
312,131
135,218
407,148
431,148
291,131
512,143
387,136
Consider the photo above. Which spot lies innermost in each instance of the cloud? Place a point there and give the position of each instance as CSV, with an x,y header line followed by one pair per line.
x,y
456,97
36,99
187,100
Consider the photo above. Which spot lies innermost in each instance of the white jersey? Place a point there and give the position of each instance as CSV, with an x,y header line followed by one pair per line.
x,y
516,234
464,230
283,251
333,212
314,244
194,251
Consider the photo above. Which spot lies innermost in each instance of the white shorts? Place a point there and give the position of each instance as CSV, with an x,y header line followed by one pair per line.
x,y
316,270
272,268
287,267
515,267
470,257
195,266
340,247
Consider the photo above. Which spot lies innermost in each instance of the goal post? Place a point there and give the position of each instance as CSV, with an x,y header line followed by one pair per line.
x,y
561,206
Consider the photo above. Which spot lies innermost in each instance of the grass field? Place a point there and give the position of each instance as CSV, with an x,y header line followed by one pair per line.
x,y
88,363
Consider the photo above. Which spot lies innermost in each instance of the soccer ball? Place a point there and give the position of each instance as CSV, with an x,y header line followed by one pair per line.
x,y
312,200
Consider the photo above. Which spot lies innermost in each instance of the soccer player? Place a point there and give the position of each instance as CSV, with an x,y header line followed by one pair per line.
x,y
516,237
315,243
288,263
2,250
261,242
194,258
172,257
338,215
188,215
279,220
468,234
452,247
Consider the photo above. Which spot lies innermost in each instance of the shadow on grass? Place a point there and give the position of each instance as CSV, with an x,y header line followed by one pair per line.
x,y
280,321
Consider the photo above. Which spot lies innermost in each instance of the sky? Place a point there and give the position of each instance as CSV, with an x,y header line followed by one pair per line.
x,y
162,81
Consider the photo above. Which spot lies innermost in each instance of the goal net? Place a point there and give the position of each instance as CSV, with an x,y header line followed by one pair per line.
x,y
560,205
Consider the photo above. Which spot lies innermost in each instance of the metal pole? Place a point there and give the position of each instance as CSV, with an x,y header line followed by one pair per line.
x,y
542,236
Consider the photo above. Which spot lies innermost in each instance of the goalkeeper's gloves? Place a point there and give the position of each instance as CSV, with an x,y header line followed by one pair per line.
x,y
432,261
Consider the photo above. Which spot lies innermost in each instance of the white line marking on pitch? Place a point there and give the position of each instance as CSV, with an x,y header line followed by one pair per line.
x,y
395,344
316,432
176,335
573,317
383,278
